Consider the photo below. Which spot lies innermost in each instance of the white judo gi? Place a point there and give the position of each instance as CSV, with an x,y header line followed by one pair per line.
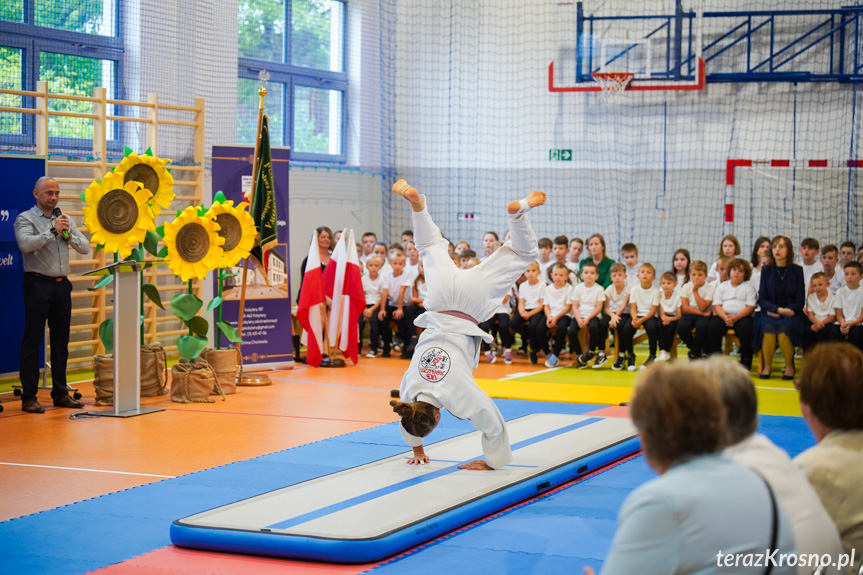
x,y
449,348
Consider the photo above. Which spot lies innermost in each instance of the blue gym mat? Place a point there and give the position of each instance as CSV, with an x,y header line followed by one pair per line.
x,y
563,530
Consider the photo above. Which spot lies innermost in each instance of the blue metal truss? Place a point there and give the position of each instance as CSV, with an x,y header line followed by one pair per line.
x,y
755,46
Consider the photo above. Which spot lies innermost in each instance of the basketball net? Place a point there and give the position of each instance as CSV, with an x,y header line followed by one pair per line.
x,y
612,84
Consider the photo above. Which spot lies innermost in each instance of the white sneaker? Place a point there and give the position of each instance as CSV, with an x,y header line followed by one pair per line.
x,y
663,356
551,360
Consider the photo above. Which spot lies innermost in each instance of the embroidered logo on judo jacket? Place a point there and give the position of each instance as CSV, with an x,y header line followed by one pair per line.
x,y
434,364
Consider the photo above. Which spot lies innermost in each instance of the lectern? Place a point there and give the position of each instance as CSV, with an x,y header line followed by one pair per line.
x,y
127,340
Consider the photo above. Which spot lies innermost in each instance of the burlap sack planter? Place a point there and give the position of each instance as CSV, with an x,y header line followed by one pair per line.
x,y
154,374
226,364
193,382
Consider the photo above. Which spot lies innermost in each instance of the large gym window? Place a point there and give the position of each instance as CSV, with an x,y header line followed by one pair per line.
x,y
304,67
74,47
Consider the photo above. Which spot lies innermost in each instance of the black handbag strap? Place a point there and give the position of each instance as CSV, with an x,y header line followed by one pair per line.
x,y
774,528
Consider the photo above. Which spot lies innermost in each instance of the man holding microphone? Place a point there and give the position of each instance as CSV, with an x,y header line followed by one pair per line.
x,y
44,236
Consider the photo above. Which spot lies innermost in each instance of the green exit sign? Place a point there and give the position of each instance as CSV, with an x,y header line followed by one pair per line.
x,y
560,155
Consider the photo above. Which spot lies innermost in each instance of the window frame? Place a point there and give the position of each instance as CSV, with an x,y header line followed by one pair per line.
x,y
293,76
32,40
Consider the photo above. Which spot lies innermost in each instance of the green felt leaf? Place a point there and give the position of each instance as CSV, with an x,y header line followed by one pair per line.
x,y
185,306
200,326
106,335
127,150
102,282
191,346
229,332
162,252
152,292
214,303
151,243
219,197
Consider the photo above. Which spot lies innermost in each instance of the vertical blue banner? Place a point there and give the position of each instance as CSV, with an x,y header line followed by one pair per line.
x,y
267,329
16,195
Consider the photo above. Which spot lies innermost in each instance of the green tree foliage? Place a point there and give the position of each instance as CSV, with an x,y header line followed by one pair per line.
x,y
73,75
76,15
262,29
10,79
310,33
12,10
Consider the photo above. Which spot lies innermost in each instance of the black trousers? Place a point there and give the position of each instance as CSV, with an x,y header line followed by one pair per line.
x,y
810,338
627,333
45,300
595,339
854,337
716,330
501,321
401,325
696,342
666,334
374,330
531,330
623,346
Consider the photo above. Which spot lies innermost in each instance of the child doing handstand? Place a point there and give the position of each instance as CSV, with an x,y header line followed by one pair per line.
x,y
439,376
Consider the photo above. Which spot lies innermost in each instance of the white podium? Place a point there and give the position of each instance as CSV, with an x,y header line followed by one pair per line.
x,y
127,340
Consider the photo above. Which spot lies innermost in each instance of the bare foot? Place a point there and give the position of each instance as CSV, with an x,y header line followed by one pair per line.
x,y
534,199
403,189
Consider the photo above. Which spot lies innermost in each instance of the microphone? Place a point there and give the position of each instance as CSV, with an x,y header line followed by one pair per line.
x,y
57,214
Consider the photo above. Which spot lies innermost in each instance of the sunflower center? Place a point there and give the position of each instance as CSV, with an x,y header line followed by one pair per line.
x,y
230,230
118,211
193,242
144,174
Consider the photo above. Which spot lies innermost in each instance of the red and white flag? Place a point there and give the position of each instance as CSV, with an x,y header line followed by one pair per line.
x,y
354,303
334,280
309,308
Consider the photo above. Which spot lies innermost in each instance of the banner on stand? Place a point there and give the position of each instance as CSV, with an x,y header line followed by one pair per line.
x,y
267,326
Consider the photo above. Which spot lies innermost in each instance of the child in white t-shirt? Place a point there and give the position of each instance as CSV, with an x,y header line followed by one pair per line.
x,y
819,311
557,314
527,320
587,299
809,249
643,306
733,305
728,247
695,300
669,314
849,307
372,286
629,252
616,312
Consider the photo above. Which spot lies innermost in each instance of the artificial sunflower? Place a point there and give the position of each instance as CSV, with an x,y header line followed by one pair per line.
x,y
151,172
117,214
238,229
194,245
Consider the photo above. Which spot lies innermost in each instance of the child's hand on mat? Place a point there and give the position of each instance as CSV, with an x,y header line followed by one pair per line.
x,y
476,465
418,460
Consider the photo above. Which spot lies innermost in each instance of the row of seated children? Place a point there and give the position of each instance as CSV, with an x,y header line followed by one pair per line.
x,y
693,331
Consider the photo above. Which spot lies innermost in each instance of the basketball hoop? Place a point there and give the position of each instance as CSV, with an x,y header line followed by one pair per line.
x,y
612,84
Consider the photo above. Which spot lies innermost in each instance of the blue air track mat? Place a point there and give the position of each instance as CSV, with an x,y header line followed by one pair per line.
x,y
366,513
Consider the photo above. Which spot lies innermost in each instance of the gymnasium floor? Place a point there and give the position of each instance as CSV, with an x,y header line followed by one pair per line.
x,y
99,494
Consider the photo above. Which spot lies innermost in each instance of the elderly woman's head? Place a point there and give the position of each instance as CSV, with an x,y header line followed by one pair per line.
x,y
737,393
679,414
831,388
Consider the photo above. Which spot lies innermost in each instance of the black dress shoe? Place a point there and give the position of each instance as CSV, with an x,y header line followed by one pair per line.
x,y
32,406
67,401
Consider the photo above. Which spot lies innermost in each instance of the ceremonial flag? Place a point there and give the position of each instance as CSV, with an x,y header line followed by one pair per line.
x,y
354,303
309,308
334,280
263,209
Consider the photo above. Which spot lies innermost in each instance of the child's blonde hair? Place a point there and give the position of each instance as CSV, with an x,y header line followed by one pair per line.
x,y
374,258
648,266
534,264
724,259
697,266
472,262
616,267
558,266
